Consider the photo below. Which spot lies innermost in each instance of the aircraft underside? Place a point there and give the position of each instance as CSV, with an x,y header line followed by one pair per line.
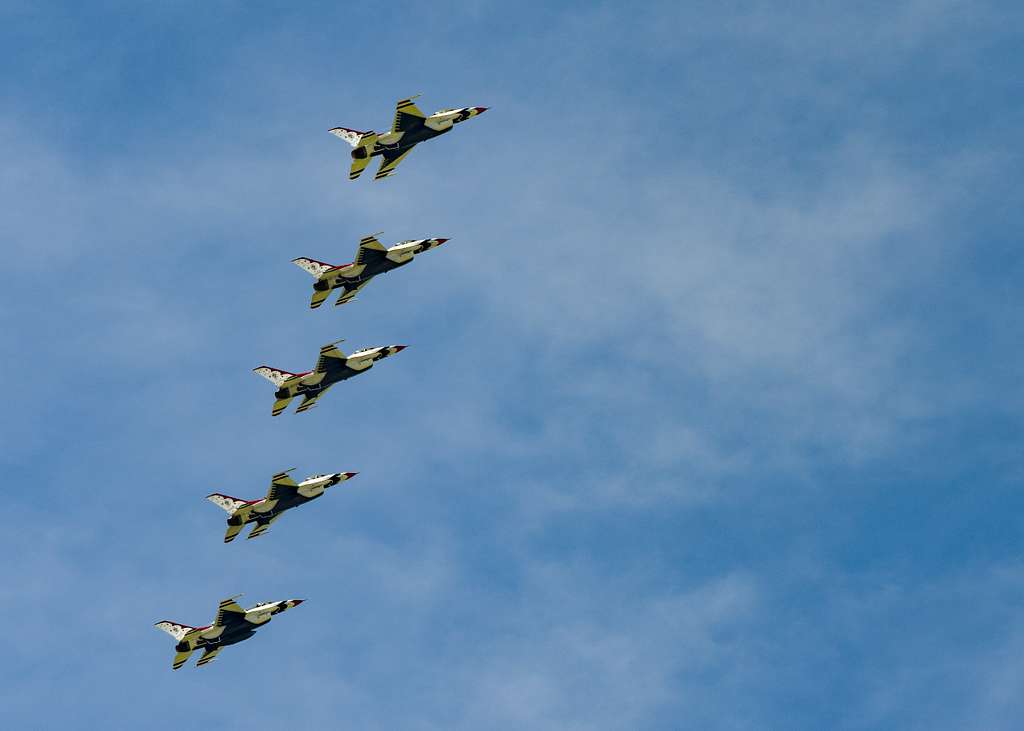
x,y
409,140
283,505
228,637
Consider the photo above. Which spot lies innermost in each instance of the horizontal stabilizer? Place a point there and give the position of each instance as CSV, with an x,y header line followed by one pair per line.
x,y
280,405
232,532
319,295
360,159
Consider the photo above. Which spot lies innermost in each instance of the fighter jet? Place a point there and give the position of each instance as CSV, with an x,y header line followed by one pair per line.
x,y
331,367
232,625
411,126
371,259
283,495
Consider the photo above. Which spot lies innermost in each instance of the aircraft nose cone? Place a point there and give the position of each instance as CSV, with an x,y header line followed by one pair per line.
x,y
350,475
297,602
480,110
399,348
441,241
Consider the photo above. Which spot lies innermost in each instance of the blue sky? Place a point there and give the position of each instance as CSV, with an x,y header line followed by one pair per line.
x,y
712,413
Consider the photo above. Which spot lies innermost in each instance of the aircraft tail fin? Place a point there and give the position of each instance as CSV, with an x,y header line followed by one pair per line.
x,y
174,629
274,375
237,509
362,144
352,136
227,503
314,267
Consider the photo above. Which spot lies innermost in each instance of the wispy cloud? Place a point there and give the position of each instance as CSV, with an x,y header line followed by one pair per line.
x,y
718,335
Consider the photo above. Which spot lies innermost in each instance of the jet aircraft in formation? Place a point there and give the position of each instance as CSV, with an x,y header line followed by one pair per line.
x,y
331,367
284,494
409,128
371,259
232,625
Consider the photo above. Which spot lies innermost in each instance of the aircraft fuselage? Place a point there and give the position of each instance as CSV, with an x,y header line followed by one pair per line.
x,y
405,140
264,511
231,635
383,265
334,374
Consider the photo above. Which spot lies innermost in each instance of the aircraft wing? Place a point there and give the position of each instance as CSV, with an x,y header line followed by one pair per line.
x,y
208,656
309,402
228,612
328,353
281,485
370,249
262,528
349,292
389,161
407,115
